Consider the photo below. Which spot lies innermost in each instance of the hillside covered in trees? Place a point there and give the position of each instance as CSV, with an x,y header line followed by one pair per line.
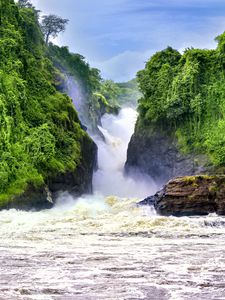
x,y
44,146
42,143
96,96
182,112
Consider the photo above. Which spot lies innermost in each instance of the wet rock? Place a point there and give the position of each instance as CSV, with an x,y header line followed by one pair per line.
x,y
191,195
157,154
148,201
34,198
79,181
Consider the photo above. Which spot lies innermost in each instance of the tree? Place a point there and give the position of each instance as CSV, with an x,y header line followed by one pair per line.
x,y
25,4
110,90
52,25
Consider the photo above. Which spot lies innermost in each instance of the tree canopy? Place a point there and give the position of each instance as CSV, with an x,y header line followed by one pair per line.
x,y
185,95
25,4
52,25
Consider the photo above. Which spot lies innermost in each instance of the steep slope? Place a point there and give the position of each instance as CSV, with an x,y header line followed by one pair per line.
x,y
180,129
91,96
42,146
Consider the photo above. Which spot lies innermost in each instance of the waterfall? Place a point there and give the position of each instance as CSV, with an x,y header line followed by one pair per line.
x,y
110,178
117,131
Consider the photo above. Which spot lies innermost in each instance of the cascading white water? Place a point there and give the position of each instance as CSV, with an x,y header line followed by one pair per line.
x,y
110,178
75,90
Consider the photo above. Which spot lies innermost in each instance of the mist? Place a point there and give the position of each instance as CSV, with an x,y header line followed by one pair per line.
x,y
75,91
110,178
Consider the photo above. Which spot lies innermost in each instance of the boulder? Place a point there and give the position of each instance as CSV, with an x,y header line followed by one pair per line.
x,y
191,195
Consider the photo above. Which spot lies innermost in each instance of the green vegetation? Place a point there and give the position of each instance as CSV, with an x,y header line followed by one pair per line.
x,y
40,134
128,93
98,96
75,65
185,96
110,91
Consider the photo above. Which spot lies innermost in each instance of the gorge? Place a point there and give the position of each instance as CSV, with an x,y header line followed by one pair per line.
x,y
78,154
104,246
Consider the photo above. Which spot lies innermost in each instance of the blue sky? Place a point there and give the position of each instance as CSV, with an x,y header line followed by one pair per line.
x,y
119,36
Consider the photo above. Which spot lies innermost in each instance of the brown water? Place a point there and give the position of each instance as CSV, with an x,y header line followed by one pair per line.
x,y
99,248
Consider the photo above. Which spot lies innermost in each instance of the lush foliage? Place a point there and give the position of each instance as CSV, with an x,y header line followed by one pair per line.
x,y
185,95
110,91
128,93
75,65
40,134
77,74
98,96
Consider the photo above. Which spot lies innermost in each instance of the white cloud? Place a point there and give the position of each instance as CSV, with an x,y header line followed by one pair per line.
x,y
118,36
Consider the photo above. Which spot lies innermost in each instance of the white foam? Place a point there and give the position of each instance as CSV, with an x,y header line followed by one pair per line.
x,y
110,178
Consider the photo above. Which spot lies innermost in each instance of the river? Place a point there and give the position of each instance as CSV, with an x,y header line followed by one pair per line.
x,y
105,247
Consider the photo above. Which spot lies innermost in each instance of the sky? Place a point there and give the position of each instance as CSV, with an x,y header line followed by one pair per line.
x,y
119,36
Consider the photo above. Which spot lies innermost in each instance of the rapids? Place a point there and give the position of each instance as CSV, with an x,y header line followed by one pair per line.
x,y
103,246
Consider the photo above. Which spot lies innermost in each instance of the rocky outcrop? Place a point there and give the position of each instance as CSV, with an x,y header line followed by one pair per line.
x,y
80,180
190,195
34,198
156,153
75,182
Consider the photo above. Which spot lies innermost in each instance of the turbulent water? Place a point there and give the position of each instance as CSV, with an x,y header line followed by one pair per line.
x,y
105,247
110,178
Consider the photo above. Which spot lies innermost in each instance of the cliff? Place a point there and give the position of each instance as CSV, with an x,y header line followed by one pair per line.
x,y
180,128
43,148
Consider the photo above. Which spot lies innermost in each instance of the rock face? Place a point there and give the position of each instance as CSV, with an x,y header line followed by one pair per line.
x,y
79,181
191,195
33,199
157,155
76,183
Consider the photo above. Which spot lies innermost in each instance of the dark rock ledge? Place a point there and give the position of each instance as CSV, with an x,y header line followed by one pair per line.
x,y
75,182
190,196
